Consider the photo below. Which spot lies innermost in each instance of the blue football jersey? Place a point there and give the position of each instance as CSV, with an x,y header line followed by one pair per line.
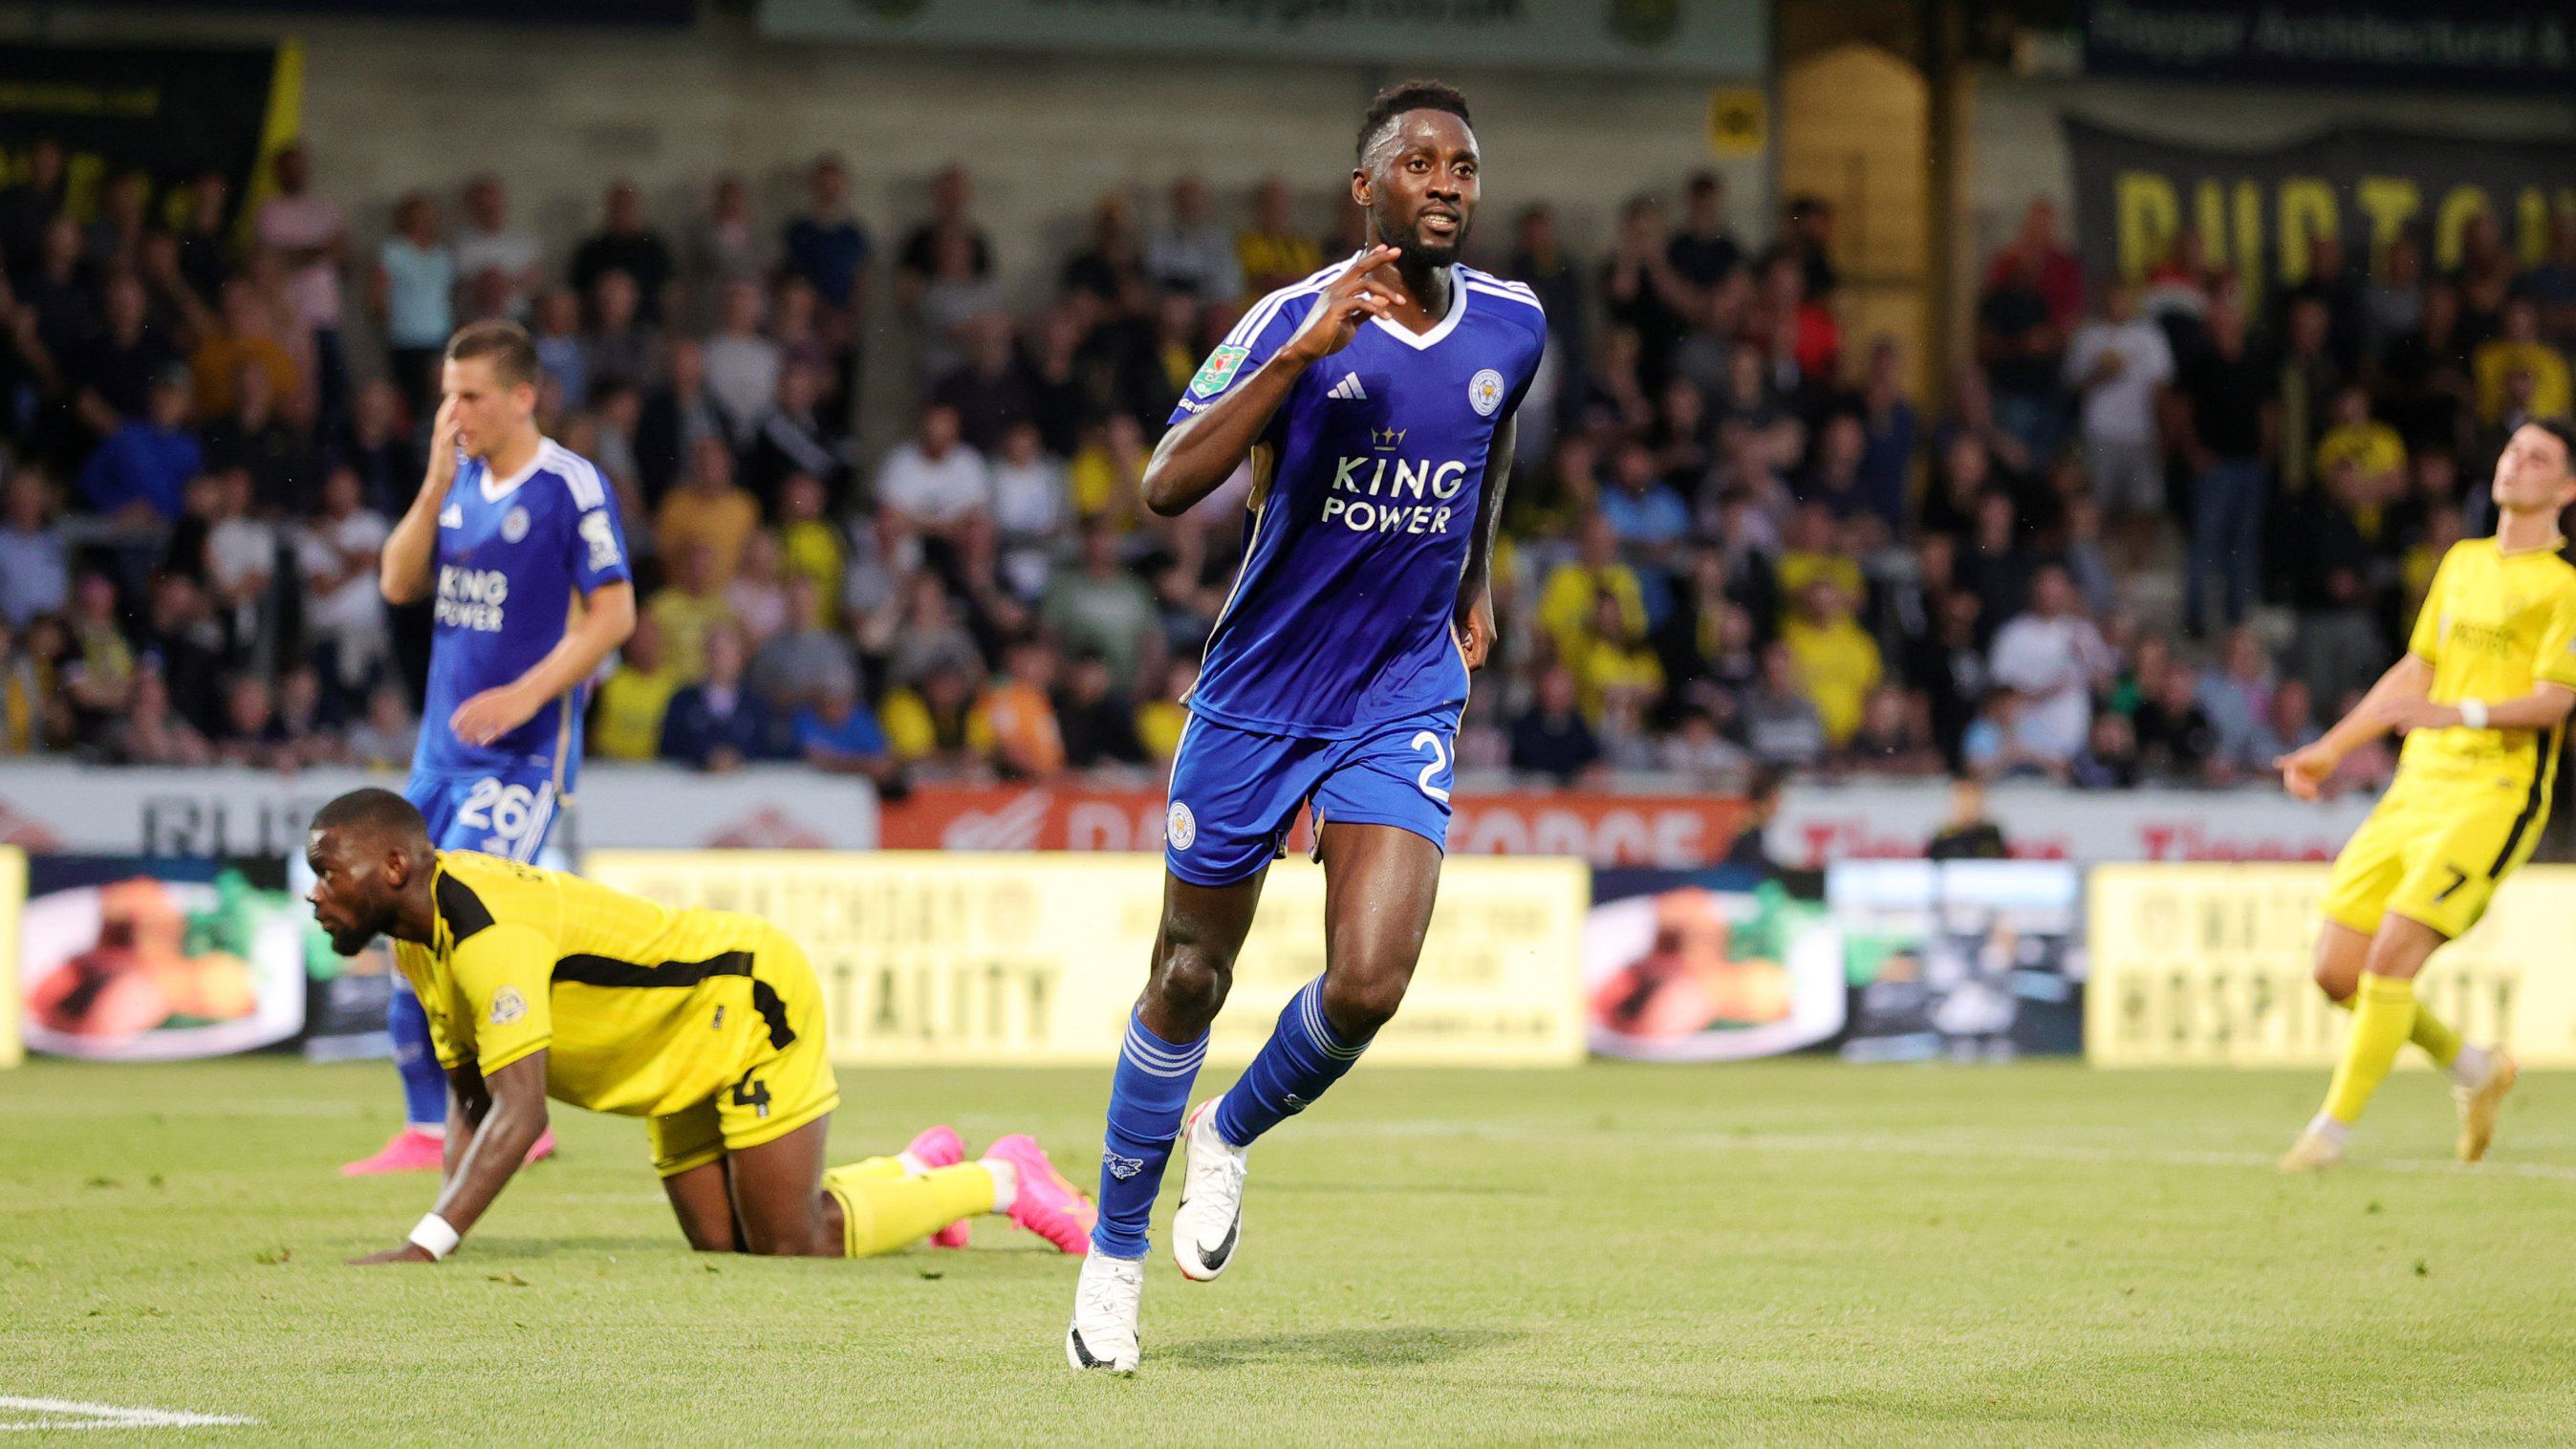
x,y
515,555
1363,509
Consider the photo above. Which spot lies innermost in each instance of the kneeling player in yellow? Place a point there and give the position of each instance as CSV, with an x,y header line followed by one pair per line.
x,y
2483,694
707,1024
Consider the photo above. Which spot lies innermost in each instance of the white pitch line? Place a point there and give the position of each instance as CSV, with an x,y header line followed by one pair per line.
x,y
111,1416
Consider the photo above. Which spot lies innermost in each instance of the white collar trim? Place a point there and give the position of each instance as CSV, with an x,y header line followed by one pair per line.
x,y
496,489
1425,341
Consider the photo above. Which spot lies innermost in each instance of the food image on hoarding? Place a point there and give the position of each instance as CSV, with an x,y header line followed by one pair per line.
x,y
131,959
1962,960
1701,966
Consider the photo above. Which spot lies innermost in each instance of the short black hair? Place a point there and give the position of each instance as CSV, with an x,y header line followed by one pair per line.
x,y
372,809
2564,431
1412,95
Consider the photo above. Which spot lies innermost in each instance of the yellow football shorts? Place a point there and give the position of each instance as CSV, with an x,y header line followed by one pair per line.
x,y
2434,851
781,1088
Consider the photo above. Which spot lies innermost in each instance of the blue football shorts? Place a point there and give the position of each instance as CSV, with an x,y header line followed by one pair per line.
x,y
508,812
1236,792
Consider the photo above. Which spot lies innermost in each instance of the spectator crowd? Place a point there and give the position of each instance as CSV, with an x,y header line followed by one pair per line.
x,y
2159,528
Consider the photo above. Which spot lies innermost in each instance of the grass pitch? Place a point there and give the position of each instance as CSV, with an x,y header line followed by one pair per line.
x,y
1792,1252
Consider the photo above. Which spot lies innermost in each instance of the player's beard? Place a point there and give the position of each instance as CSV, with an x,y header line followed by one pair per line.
x,y
1417,252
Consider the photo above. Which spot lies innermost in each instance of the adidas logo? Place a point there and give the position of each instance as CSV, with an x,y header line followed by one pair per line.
x,y
451,516
1349,389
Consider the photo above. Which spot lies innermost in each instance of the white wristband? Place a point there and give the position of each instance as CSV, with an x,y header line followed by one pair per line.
x,y
434,1237
2473,713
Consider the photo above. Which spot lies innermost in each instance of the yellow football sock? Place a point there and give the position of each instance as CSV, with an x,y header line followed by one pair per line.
x,y
882,1211
2381,1023
2430,1032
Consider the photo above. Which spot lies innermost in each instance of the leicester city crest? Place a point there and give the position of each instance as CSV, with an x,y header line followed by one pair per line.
x,y
1485,392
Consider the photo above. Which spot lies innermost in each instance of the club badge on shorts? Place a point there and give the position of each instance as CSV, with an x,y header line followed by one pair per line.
x,y
508,1006
1485,392
1180,827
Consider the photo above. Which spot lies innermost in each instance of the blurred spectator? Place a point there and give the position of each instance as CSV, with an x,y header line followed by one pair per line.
x,y
691,610
1550,737
492,256
32,713
1706,250
2019,345
678,414
378,448
344,611
1781,726
385,739
1807,238
1272,252
2052,269
1998,744
1696,750
1948,666
757,594
708,509
2110,757
624,245
1030,510
951,199
826,245
993,390
1891,739
1101,606
742,364
838,734
809,545
1112,265
1097,718
2053,659
140,474
934,490
115,372
2176,742
2227,430
1539,259
724,245
793,664
1192,255
244,335
2370,448
150,733
1611,658
1641,293
200,256
259,440
626,718
921,632
1160,722
29,204
187,644
555,328
933,726
413,296
306,734
35,558
621,347
2119,363
2518,349
2303,392
791,438
1838,663
715,724
1027,741
2337,642
1969,833
303,230
250,733
2289,724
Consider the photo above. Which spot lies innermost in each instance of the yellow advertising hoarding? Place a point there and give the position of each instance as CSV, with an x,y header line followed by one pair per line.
x,y
2207,965
13,895
957,958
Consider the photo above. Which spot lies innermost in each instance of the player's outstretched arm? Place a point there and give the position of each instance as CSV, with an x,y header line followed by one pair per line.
x,y
2545,707
494,1152
2399,693
403,570
1202,452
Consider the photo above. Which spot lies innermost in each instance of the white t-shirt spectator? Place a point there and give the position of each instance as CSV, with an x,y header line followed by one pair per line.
x,y
1201,262
354,609
935,490
420,293
511,253
742,376
2052,664
2123,409
298,222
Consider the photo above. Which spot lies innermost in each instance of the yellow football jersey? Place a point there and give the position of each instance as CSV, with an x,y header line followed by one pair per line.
x,y
643,1009
2493,625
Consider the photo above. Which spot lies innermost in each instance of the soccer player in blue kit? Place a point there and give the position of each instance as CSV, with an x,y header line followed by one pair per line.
x,y
1376,401
518,538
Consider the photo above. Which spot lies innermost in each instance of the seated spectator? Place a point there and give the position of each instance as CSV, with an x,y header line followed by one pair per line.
x,y
149,732
307,736
626,716
34,717
1838,662
35,558
1696,749
378,444
1101,607
1811,553
2176,742
1566,599
2370,448
1780,724
247,334
1645,514
1891,739
725,246
742,364
622,346
2519,349
1107,473
757,597
624,245
1016,709
250,734
1997,746
709,509
691,611
791,438
386,738
241,562
257,439
1097,719
675,418
994,390
186,644
1833,479
810,545
716,724
1551,737
2236,697
337,552
140,474
2052,659
111,380
838,734
920,632
1273,252
1610,657
555,328
933,727
933,490
794,663
1192,254
2109,760
1030,508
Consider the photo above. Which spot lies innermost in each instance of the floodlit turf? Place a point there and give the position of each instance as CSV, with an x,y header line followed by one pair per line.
x,y
1787,1252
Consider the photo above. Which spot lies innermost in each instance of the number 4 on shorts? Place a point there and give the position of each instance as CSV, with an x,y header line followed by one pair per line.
x,y
755,1095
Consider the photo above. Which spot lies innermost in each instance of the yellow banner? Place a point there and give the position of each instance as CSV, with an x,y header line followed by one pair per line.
x,y
2207,965
13,895
954,958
